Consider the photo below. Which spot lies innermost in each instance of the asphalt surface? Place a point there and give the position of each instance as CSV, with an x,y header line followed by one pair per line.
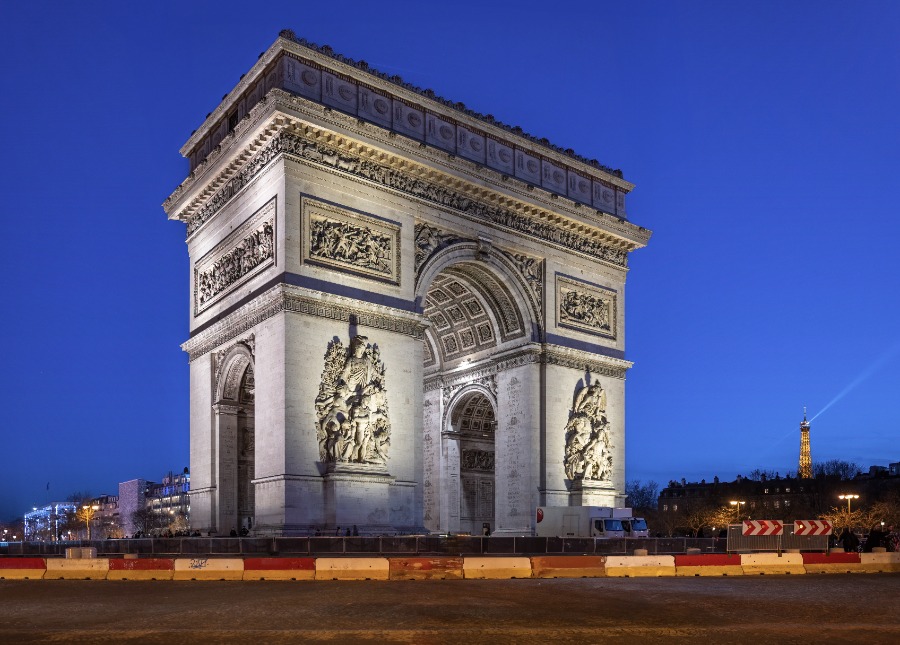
x,y
849,608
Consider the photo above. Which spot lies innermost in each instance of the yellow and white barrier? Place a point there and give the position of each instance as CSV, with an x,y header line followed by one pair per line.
x,y
352,569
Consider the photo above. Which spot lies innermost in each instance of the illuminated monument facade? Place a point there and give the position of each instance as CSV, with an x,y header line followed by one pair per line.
x,y
404,315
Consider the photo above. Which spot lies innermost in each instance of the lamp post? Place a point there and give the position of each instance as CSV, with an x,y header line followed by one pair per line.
x,y
737,508
848,498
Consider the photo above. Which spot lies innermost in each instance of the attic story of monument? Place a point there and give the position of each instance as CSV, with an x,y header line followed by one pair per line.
x,y
405,316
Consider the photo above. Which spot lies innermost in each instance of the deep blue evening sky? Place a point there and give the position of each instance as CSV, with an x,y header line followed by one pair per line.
x,y
763,137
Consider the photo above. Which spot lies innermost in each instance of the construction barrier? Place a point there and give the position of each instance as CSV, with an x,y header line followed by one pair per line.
x,y
352,569
772,563
568,566
22,568
879,562
497,568
712,564
279,569
831,562
141,569
436,568
640,566
444,567
208,569
77,569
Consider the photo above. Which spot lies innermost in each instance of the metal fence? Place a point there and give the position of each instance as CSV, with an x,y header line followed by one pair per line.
x,y
387,545
749,543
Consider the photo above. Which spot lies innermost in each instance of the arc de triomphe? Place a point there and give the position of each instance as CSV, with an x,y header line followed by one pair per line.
x,y
404,315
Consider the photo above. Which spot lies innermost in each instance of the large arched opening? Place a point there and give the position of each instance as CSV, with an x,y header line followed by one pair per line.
x,y
480,309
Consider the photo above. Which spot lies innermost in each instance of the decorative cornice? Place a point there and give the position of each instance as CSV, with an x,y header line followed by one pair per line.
x,y
284,297
278,104
596,364
541,225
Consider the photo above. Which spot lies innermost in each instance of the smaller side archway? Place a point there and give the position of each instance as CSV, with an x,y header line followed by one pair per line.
x,y
235,440
471,425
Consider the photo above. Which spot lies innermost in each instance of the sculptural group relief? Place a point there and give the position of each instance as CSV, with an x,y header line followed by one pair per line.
x,y
220,270
352,410
352,242
587,451
586,307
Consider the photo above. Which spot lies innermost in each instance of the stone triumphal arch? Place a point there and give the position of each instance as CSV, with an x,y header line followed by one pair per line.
x,y
404,316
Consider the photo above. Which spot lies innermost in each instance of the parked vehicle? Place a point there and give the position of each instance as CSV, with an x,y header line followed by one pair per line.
x,y
588,521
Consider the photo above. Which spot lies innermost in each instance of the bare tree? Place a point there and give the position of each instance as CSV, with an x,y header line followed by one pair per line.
x,y
836,468
642,496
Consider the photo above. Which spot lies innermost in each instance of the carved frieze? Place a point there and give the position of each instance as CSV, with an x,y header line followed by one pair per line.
x,y
319,154
586,307
478,460
245,252
353,423
587,450
349,241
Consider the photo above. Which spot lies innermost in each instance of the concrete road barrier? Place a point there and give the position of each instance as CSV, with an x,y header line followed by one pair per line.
x,y
635,566
208,569
352,569
497,568
78,569
437,568
22,568
141,569
879,562
831,563
568,566
710,564
772,563
280,569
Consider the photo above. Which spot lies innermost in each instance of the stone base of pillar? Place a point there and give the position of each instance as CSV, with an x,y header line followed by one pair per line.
x,y
358,495
594,493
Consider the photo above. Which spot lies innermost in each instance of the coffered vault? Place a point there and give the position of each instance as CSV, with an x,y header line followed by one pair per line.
x,y
405,316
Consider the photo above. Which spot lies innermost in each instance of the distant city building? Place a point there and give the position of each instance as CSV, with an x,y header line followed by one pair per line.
x,y
783,498
49,523
164,501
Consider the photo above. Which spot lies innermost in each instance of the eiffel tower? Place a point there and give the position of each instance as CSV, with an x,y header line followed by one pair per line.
x,y
805,469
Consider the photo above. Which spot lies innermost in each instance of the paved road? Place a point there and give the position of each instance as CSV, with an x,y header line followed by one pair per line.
x,y
854,608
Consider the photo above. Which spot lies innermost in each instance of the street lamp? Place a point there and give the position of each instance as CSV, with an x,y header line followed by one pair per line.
x,y
737,508
848,498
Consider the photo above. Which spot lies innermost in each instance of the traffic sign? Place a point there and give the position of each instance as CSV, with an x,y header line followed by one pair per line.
x,y
812,527
763,527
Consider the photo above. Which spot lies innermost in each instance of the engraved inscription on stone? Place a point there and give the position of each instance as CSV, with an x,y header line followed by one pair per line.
x,y
244,253
350,241
587,453
586,307
353,424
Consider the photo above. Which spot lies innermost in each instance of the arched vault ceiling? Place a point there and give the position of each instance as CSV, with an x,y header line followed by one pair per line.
x,y
470,311
474,416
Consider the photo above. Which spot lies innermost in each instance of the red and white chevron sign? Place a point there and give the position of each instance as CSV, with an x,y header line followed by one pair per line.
x,y
812,527
763,527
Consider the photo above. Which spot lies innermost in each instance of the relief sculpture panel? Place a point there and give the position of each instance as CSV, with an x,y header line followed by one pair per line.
x,y
352,410
351,241
247,251
588,455
586,307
